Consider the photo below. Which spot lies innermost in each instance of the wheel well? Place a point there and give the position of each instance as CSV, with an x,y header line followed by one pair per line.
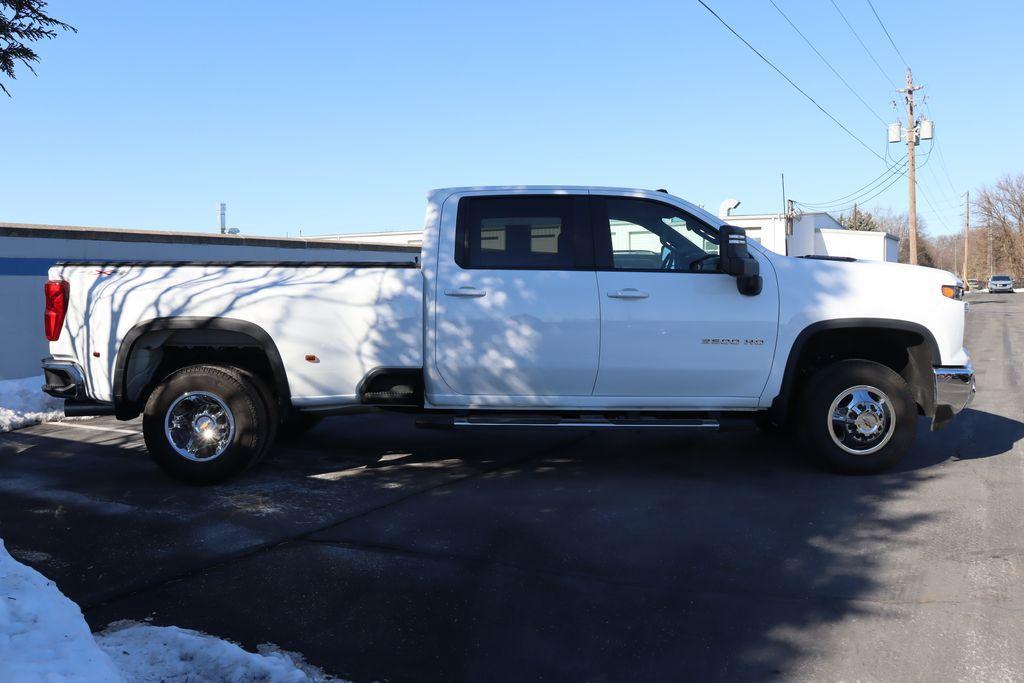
x,y
150,355
908,352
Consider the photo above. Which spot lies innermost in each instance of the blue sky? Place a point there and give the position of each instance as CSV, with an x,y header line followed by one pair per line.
x,y
339,116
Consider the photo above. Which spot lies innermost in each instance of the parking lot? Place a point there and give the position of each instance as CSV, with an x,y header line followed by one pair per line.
x,y
382,551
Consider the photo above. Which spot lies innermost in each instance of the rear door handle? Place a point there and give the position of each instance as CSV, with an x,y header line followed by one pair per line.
x,y
628,293
465,292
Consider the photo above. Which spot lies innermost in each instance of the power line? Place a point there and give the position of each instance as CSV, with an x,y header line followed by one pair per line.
x,y
924,193
891,41
942,157
866,198
932,206
855,35
945,170
790,80
827,63
896,168
875,189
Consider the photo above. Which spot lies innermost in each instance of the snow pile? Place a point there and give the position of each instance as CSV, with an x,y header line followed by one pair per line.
x,y
147,653
42,634
43,637
23,403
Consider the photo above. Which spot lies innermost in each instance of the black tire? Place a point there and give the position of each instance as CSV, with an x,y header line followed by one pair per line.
x,y
895,419
245,425
269,402
297,424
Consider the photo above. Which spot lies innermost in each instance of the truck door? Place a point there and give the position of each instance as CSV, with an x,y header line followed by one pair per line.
x,y
671,324
516,298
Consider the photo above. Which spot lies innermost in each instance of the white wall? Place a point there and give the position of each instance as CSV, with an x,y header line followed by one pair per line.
x,y
817,234
892,249
801,242
858,244
769,231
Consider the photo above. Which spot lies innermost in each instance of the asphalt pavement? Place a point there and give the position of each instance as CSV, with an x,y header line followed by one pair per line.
x,y
386,552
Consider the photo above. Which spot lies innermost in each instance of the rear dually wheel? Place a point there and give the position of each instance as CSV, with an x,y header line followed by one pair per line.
x,y
205,423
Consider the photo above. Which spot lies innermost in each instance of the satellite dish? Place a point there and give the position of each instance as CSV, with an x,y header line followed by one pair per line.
x,y
728,205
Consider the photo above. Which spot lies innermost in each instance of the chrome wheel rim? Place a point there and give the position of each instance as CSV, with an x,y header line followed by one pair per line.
x,y
861,420
199,426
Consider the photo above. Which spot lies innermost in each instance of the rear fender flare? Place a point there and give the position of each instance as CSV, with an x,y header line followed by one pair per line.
x,y
127,409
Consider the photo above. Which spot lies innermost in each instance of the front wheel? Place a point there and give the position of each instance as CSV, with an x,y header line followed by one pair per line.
x,y
857,416
205,423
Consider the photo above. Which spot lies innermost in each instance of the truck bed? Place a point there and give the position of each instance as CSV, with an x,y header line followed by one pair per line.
x,y
348,318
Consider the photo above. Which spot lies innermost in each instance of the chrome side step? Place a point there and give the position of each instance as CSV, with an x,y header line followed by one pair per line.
x,y
586,422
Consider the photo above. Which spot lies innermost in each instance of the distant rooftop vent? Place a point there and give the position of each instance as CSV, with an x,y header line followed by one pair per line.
x,y
728,205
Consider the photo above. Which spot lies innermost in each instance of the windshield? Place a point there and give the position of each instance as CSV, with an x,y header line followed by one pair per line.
x,y
1000,278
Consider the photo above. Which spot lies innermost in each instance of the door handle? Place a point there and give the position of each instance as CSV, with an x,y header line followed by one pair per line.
x,y
465,292
628,293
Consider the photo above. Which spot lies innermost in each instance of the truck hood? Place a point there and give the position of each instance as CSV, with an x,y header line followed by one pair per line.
x,y
871,274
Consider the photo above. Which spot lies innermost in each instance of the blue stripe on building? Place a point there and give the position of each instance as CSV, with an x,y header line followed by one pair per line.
x,y
25,266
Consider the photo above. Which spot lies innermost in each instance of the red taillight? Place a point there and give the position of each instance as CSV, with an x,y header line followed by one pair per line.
x,y
56,292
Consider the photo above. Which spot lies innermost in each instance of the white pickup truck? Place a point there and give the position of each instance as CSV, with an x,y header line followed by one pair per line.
x,y
541,307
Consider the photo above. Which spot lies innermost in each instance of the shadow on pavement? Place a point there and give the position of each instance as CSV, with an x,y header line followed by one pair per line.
x,y
384,551
973,434
627,555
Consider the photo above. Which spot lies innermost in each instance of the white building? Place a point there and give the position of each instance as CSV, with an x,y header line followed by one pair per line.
x,y
817,234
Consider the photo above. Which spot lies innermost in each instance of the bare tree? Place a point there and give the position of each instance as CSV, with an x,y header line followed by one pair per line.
x,y
1000,210
948,252
23,22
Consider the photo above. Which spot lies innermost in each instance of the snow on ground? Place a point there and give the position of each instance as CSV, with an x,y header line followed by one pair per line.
x,y
23,403
44,637
146,653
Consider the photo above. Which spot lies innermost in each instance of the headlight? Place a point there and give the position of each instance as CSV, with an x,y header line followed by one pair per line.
x,y
953,292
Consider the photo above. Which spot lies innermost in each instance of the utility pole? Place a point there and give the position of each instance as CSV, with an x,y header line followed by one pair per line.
x,y
967,230
856,225
789,222
911,165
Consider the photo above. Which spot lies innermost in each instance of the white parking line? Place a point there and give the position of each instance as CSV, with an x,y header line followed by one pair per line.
x,y
78,425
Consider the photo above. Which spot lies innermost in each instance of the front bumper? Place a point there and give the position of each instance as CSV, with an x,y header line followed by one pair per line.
x,y
954,391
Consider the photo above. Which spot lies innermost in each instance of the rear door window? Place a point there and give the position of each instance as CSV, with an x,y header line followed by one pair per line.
x,y
523,233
